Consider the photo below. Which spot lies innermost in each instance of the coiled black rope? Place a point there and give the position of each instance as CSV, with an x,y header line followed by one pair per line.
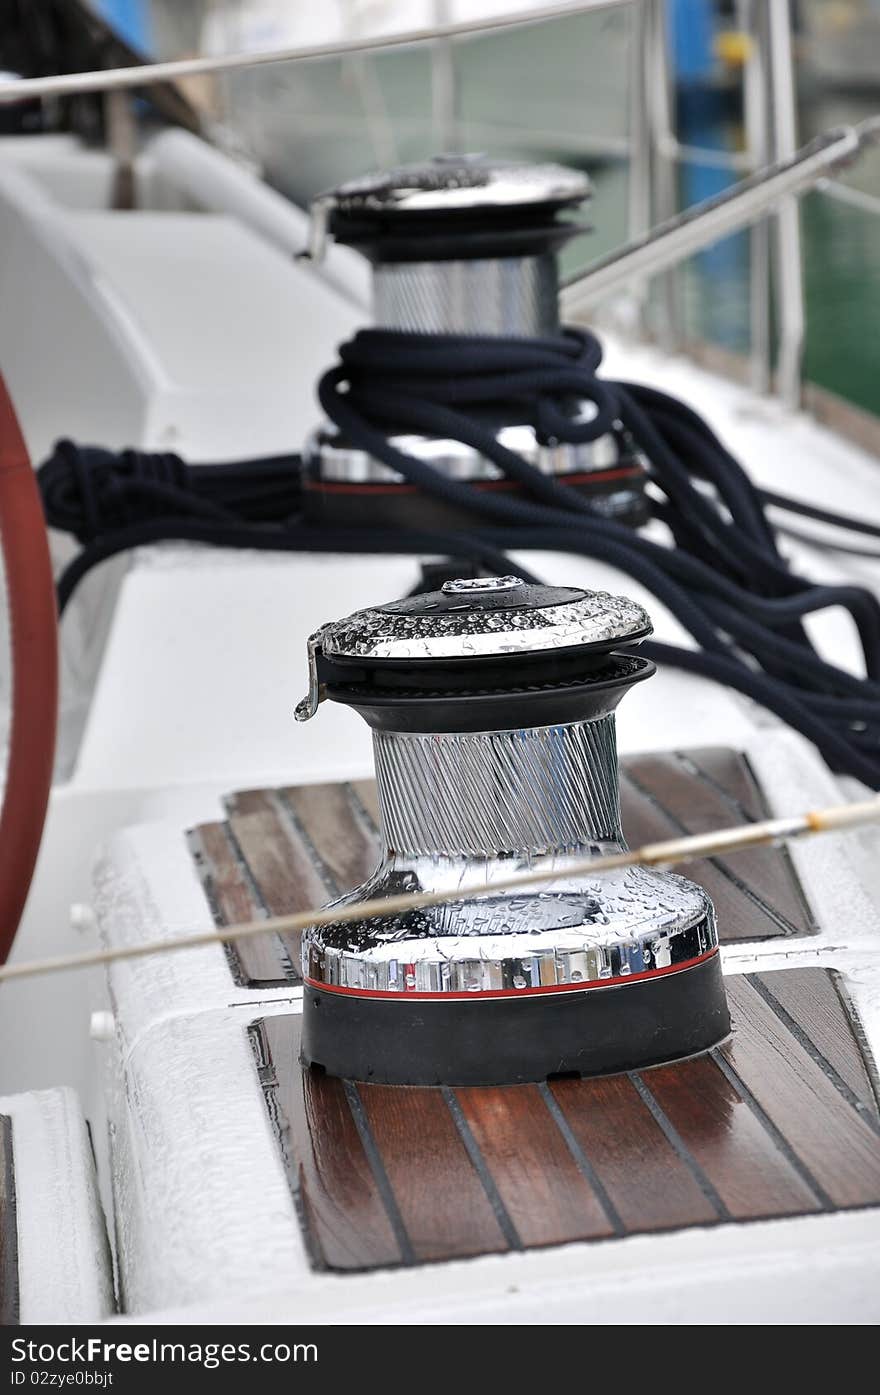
x,y
723,577
90,492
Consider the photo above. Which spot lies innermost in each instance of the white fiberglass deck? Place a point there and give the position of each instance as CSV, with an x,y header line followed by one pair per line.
x,y
204,661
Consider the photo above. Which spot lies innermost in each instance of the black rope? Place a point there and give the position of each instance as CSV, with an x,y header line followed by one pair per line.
x,y
723,578
89,491
838,520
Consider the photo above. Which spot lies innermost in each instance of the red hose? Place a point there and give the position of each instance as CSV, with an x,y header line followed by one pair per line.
x,y
33,628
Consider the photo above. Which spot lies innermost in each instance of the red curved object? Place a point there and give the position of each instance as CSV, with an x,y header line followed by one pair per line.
x,y
33,627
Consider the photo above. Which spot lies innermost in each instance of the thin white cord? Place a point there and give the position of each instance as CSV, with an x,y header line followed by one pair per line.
x,y
24,89
672,851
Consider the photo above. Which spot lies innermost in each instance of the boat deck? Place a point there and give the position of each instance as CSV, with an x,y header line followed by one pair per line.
x,y
781,1120
778,1121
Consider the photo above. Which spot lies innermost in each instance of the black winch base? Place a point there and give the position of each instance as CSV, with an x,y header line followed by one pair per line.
x,y
333,504
510,1041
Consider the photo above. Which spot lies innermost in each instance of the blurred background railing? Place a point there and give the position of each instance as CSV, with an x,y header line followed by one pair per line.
x,y
664,102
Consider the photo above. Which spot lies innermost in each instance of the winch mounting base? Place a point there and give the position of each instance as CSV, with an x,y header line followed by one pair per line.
x,y
514,1040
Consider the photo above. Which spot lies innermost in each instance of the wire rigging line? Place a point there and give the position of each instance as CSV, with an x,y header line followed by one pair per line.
x,y
674,851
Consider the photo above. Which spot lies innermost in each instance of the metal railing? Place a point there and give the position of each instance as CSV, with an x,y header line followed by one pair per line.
x,y
146,74
739,206
768,207
769,102
660,237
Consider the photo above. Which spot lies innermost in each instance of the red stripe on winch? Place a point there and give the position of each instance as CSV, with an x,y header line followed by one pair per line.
x,y
592,477
411,995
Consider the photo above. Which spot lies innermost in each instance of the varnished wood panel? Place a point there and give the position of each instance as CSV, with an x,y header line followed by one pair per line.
x,y
9,1311
343,840
811,1004
443,1203
279,861
647,1182
749,1174
707,789
731,776
756,893
770,1124
836,1148
233,899
368,796
739,917
287,849
280,866
345,1217
546,1194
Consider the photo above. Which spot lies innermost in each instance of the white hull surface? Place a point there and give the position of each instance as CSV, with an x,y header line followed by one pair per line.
x,y
182,669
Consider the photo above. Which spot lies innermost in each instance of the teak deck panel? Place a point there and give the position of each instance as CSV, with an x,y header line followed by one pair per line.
x,y
781,1120
9,1297
765,1126
287,849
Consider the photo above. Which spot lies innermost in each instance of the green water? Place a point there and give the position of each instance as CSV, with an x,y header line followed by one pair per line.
x,y
841,260
842,274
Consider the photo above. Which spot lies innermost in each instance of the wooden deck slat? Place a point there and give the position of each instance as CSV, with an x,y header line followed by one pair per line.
x,y
813,1002
342,1206
441,1198
259,960
697,806
731,772
820,1127
277,859
233,896
327,814
544,1191
649,1185
9,1286
739,918
750,1174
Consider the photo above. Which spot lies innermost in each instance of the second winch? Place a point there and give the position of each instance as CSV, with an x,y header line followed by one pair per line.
x,y
492,706
464,257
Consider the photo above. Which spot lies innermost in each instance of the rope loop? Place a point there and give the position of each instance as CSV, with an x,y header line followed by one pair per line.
x,y
710,555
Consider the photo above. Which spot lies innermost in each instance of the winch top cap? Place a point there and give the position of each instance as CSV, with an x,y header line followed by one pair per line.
x,y
494,653
484,618
463,182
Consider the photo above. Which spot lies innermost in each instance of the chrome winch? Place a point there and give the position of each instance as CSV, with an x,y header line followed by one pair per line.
x,y
462,246
492,707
